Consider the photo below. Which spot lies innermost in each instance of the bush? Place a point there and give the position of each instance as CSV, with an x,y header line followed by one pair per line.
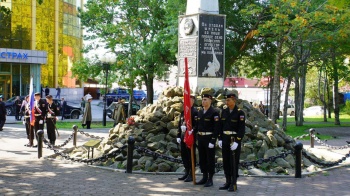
x,y
347,107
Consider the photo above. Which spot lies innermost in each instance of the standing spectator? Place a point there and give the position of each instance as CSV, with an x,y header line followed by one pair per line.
x,y
58,94
118,112
143,103
87,118
261,107
98,93
63,107
52,112
2,113
18,104
82,104
47,91
207,127
231,132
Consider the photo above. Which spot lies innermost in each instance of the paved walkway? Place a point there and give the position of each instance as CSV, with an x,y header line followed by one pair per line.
x,y
21,173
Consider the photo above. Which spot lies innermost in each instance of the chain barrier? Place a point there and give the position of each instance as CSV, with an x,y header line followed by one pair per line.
x,y
103,158
269,159
65,142
157,155
318,140
302,136
325,163
91,136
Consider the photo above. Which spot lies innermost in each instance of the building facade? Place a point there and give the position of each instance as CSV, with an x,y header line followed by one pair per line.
x,y
51,28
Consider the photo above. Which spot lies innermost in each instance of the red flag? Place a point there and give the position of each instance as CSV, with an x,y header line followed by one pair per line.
x,y
187,109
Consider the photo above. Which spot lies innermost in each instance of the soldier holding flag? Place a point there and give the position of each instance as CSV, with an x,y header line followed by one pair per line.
x,y
185,150
232,130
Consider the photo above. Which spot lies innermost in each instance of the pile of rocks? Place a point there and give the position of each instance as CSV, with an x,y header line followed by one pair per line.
x,y
155,128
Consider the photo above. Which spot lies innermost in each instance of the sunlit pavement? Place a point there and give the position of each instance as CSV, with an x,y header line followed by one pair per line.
x,y
22,173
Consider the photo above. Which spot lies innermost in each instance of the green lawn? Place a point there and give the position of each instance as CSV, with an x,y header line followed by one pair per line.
x,y
94,125
314,122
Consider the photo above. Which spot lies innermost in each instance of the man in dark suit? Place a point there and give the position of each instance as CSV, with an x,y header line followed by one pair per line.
x,y
63,107
2,113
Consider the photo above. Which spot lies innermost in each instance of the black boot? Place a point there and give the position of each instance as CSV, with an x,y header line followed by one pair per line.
x,y
203,180
184,176
232,188
189,177
227,184
210,181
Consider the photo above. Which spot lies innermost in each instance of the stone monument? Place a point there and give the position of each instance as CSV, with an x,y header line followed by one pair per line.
x,y
202,41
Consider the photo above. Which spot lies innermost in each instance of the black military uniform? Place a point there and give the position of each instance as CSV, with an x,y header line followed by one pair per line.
x,y
29,128
185,151
207,130
39,113
51,113
232,128
2,113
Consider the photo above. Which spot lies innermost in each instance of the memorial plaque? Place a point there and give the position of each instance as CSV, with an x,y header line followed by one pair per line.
x,y
211,46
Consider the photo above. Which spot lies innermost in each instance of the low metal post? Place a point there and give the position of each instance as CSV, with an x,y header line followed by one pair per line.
x,y
40,134
75,128
131,146
298,154
312,139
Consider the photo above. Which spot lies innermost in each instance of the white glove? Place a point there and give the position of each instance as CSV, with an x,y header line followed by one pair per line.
x,y
234,146
190,132
183,128
211,145
41,122
178,140
220,143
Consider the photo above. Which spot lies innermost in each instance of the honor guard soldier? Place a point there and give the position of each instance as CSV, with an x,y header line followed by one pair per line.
x,y
207,127
39,113
232,130
51,114
29,128
185,151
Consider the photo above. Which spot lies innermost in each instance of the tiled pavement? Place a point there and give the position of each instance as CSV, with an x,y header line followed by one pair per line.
x,y
21,173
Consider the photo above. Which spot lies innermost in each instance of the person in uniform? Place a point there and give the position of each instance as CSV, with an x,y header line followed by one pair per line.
x,y
118,111
39,113
18,104
51,113
29,128
185,151
2,113
207,127
87,118
231,132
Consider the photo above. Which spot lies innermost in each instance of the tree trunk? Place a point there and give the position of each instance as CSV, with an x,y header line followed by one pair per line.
x,y
322,95
276,82
284,122
335,88
150,90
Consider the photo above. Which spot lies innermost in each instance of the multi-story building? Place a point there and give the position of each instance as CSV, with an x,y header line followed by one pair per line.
x,y
40,40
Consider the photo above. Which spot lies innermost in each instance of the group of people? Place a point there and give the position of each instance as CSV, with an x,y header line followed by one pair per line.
x,y
210,125
44,112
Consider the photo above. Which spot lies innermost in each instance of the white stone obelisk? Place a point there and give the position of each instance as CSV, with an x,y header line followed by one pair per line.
x,y
202,42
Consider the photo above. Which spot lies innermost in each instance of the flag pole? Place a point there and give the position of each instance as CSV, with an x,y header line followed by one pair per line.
x,y
190,120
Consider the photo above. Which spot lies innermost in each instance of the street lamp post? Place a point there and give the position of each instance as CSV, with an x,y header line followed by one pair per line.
x,y
106,61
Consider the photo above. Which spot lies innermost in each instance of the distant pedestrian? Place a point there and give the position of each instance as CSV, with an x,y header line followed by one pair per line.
x,y
47,91
63,107
18,104
143,103
262,107
98,93
2,113
82,104
58,92
87,118
118,112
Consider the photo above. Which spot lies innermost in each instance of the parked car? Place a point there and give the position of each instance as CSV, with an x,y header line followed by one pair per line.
x,y
10,105
290,110
72,112
314,111
135,108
